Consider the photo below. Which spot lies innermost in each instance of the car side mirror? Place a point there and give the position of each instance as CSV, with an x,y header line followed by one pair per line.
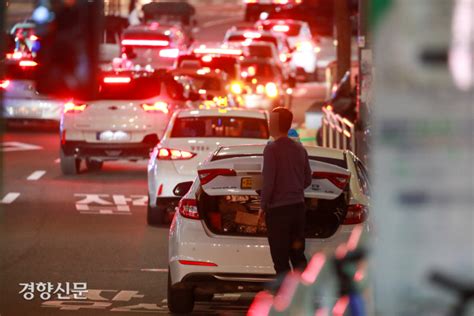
x,y
182,188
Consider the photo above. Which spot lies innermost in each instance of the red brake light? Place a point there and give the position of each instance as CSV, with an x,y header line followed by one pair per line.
x,y
143,42
159,106
208,175
174,154
250,1
356,214
218,51
28,63
169,53
4,84
339,180
33,37
280,1
117,80
198,263
281,28
188,209
71,107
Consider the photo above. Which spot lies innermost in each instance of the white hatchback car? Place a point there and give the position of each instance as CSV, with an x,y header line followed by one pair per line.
x,y
217,240
189,139
124,121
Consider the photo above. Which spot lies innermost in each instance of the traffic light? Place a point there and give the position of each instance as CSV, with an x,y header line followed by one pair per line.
x,y
70,32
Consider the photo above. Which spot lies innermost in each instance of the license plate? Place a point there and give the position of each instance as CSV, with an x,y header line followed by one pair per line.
x,y
246,183
113,136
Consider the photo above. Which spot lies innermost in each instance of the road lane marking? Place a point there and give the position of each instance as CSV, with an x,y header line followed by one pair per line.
x,y
17,146
154,270
10,198
36,175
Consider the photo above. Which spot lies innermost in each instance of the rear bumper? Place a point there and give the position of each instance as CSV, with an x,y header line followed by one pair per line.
x,y
224,282
111,151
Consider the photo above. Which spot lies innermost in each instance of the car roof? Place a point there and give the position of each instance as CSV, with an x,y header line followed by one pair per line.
x,y
242,32
223,112
258,150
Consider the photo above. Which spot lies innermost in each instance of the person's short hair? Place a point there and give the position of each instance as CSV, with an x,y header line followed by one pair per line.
x,y
285,118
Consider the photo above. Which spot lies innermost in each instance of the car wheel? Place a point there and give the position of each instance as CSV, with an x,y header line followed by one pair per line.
x,y
180,301
154,215
94,165
70,165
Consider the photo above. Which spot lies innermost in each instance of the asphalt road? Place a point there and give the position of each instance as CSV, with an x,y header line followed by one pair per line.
x,y
92,227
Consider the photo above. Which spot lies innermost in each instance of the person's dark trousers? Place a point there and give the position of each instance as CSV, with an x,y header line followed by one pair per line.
x,y
286,237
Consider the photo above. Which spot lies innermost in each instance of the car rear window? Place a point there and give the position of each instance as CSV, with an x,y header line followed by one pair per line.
x,y
241,38
136,89
226,64
288,29
258,70
260,51
215,126
337,162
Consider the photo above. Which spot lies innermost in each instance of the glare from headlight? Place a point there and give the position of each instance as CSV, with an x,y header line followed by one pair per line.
x,y
271,89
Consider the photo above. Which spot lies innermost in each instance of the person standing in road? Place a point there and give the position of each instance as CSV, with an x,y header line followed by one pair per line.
x,y
286,174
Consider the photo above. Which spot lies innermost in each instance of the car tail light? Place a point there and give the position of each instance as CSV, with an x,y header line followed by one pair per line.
x,y
271,90
169,53
117,80
143,42
280,1
218,51
252,35
33,37
339,180
206,176
174,154
28,63
356,214
281,28
159,106
188,208
198,263
4,84
71,107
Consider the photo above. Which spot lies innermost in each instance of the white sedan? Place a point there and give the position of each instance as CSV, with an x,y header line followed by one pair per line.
x,y
217,240
190,137
298,33
124,121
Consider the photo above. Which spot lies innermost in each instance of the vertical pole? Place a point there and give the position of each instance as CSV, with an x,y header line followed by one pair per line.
x,y
325,131
343,36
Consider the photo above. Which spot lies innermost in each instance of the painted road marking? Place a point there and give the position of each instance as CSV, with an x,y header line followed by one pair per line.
x,y
17,146
154,270
36,175
10,198
134,301
219,22
106,204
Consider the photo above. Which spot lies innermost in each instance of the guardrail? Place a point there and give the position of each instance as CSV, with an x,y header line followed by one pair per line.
x,y
337,131
328,286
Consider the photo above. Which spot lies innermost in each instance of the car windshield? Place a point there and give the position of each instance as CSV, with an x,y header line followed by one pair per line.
x,y
214,126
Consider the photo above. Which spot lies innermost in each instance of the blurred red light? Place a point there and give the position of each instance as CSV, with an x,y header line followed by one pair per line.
x,y
117,80
142,42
